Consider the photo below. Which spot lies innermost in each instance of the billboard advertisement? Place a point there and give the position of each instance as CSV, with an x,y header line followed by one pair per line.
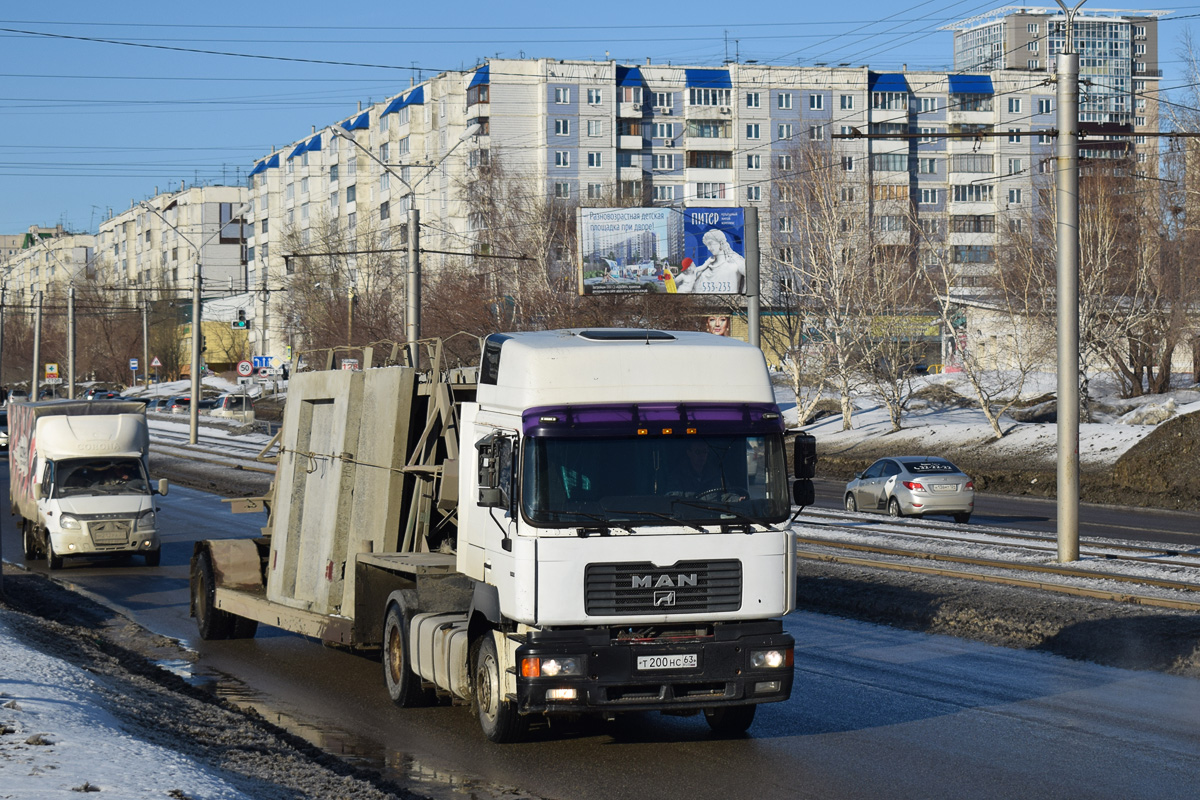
x,y
662,250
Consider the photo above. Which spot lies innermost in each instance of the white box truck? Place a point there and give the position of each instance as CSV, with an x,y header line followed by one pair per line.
x,y
589,522
78,478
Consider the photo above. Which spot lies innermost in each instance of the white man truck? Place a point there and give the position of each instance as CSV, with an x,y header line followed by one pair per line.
x,y
79,479
589,522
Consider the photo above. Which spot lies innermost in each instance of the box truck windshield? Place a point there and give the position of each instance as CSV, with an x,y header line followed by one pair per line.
x,y
92,476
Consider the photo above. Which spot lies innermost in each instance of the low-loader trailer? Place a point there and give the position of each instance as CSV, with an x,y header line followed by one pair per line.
x,y
589,522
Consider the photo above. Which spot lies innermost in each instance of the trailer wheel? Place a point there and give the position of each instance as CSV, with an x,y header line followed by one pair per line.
x,y
730,720
53,560
403,683
498,716
212,622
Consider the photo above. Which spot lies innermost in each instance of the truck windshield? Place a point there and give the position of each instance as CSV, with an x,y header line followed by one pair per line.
x,y
94,476
647,481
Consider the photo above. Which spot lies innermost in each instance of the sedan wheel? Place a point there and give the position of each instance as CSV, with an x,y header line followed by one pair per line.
x,y
850,504
894,508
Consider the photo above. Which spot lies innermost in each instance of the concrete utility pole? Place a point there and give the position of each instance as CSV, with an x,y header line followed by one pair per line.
x,y
71,342
753,295
35,383
412,311
146,340
197,336
1067,235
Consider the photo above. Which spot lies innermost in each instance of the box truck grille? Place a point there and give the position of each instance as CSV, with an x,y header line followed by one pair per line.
x,y
642,588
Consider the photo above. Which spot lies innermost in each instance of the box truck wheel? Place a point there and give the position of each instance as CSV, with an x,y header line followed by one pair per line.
x,y
498,716
403,684
730,720
153,557
29,540
53,559
212,622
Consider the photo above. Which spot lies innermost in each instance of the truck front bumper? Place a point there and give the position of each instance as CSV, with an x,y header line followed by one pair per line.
x,y
738,664
80,543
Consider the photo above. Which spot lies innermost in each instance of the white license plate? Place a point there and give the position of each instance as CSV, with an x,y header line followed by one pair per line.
x,y
676,661
948,487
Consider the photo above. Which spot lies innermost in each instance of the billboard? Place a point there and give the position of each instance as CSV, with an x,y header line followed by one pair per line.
x,y
662,250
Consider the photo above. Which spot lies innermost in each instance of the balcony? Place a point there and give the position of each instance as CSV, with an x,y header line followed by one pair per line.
x,y
629,142
630,109
725,145
629,173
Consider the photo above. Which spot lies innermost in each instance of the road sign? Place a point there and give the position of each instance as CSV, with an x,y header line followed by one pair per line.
x,y
133,365
262,361
156,363
51,371
350,363
245,369
243,381
52,380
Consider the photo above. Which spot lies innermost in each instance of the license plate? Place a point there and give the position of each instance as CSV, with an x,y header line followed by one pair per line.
x,y
674,661
949,487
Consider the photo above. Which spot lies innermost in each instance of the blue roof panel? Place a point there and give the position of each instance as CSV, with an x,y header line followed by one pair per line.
x,y
481,76
708,79
888,82
971,84
629,76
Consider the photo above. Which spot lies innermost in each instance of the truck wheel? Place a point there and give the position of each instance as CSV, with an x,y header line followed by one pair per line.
x,y
730,720
212,622
244,628
53,560
153,557
498,716
29,541
403,684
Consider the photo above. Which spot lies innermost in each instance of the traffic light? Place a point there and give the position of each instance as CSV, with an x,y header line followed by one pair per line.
x,y
240,324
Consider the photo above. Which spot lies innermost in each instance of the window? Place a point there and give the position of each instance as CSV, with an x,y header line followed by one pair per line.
x,y
710,191
595,160
1033,64
664,193
753,193
351,193
265,226
710,129
1014,197
971,162
848,163
289,192
595,191
752,131
384,210
631,94
385,181
973,193
931,227
847,194
383,152
562,95
890,162
816,133
1139,122
1044,166
562,127
1139,66
890,191
928,105
594,97
889,222
1139,49
847,102
1015,165
704,160
1014,105
784,100
928,139
664,161
562,158
1032,47
562,189
1139,31
784,131
1045,138
816,102
1014,135
971,102
333,200
972,254
595,127
785,162
1043,106
352,220
889,101
664,130
929,197
402,147
785,224
972,223
1032,27
1014,225
753,161
709,97
752,100
664,100
785,255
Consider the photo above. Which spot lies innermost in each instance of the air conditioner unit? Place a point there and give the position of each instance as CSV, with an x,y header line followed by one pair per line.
x,y
725,109
666,111
637,106
668,142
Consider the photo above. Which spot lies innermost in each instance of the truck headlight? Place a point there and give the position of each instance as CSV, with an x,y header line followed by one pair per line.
x,y
68,523
771,659
145,520
552,667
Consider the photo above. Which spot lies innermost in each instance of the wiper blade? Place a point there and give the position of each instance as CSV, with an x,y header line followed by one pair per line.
x,y
739,516
602,528
662,516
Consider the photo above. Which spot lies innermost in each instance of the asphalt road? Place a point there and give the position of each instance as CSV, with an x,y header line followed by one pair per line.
x,y
877,712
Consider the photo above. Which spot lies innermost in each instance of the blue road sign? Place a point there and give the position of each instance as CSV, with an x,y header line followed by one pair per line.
x,y
262,361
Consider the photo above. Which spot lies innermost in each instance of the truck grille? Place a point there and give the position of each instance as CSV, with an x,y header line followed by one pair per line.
x,y
109,531
642,588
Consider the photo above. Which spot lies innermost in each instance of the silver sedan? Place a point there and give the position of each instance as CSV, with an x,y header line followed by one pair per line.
x,y
912,486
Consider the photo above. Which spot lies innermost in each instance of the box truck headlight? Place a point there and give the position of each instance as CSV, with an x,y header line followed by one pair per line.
x,y
550,667
68,523
145,520
771,659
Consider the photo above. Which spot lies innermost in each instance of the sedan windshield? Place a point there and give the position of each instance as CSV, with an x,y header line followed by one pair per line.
x,y
646,481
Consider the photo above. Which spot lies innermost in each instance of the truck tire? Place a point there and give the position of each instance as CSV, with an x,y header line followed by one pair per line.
x,y
497,715
29,540
211,622
53,560
403,683
730,720
153,557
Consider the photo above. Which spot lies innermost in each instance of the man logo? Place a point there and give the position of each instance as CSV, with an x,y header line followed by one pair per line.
x,y
648,581
664,599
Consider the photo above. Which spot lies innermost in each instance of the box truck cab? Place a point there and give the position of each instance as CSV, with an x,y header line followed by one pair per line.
x,y
80,482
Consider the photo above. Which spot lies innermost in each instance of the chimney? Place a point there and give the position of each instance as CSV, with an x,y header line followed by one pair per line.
x,y
647,61
360,105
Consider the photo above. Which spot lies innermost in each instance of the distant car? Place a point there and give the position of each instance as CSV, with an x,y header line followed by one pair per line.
x,y
157,404
208,403
239,407
103,395
146,401
912,486
180,404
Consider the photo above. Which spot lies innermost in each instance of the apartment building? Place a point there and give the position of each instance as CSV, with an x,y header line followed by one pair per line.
x,y
1118,64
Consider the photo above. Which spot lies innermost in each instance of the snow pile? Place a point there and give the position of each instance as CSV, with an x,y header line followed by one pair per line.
x,y
1153,414
57,737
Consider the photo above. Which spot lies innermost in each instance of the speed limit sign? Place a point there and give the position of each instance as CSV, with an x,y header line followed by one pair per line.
x,y
245,369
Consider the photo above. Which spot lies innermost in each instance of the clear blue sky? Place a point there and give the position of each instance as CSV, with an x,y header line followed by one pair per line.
x,y
104,102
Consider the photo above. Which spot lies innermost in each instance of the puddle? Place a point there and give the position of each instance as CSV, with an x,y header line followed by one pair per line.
x,y
402,768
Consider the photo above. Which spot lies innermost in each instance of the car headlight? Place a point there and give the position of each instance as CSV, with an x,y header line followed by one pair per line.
x,y
145,520
553,667
68,523
771,659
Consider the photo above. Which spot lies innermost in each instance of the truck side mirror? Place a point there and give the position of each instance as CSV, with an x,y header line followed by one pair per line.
x,y
495,470
804,494
804,456
162,486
